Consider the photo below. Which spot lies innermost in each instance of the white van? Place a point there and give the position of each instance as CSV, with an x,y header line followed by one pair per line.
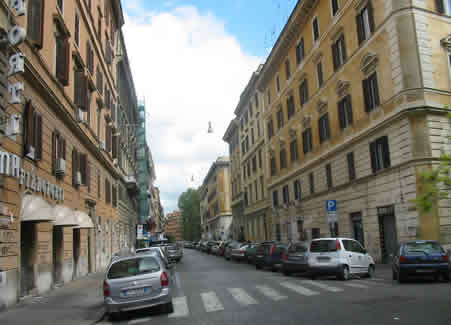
x,y
339,256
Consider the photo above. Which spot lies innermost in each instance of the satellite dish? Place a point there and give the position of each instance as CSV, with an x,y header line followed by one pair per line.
x,y
210,129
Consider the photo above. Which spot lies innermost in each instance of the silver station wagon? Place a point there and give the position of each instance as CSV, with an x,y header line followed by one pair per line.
x,y
136,282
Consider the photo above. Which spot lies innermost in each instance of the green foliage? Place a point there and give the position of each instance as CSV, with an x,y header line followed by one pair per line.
x,y
436,182
189,205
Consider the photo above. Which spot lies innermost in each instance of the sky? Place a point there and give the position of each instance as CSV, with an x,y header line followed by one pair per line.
x,y
190,62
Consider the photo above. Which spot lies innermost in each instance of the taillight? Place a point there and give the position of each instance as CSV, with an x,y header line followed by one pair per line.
x,y
271,251
164,279
444,258
338,245
106,289
403,260
284,257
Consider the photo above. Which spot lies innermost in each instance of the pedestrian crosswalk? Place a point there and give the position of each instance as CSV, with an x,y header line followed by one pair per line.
x,y
275,291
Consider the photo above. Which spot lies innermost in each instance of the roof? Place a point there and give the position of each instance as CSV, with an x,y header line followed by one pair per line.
x,y
233,125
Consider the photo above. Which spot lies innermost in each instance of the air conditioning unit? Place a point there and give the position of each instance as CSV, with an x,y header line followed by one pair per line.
x,y
102,145
60,166
99,228
31,152
115,161
80,116
78,178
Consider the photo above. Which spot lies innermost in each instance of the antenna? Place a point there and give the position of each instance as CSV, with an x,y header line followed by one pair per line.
x,y
210,129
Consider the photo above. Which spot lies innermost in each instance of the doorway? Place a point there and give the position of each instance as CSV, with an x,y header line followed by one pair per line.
x,y
387,232
57,254
76,251
357,227
28,247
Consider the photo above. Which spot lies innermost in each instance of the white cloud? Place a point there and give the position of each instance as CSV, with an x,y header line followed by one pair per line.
x,y
190,71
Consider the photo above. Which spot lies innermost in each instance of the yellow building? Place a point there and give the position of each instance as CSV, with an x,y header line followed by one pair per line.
x,y
354,107
174,226
216,220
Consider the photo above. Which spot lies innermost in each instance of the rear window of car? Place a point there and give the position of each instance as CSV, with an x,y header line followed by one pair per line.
x,y
298,248
321,246
133,267
426,247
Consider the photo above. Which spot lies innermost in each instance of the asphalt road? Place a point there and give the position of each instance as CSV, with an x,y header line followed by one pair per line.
x,y
211,290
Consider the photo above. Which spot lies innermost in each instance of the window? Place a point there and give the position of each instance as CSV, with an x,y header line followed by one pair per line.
x,y
275,198
75,167
58,150
280,121
254,164
365,23
246,199
62,57
371,92
243,147
246,118
258,128
108,137
99,27
303,92
300,53
297,189
251,197
98,186
294,150
315,29
357,227
273,166
283,158
307,140
329,175
244,172
249,168
107,191
99,80
256,190
335,7
247,143
286,195
260,162
256,100
270,128
35,23
252,136
290,107
351,165
262,187
339,52
278,84
242,124
251,112
287,69
77,30
59,4
345,112
108,52
268,93
80,88
32,132
380,154
443,6
90,58
319,74
323,126
312,183
83,168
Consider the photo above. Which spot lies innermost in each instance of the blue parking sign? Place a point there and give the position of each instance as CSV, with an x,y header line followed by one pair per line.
x,y
331,205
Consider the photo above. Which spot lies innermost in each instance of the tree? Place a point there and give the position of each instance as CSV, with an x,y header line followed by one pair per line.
x,y
189,205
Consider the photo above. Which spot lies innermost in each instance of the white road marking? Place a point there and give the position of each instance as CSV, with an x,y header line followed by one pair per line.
x,y
139,320
242,297
299,289
211,302
180,307
356,285
270,293
377,279
178,282
322,285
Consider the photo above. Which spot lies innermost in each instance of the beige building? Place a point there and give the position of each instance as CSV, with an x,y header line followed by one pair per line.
x,y
354,107
216,222
174,225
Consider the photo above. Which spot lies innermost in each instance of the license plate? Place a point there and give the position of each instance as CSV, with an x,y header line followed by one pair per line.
x,y
422,271
323,259
136,292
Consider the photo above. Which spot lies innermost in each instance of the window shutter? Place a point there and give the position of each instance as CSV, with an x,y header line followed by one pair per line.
x,y
74,166
35,23
37,135
63,155
373,154
386,151
326,122
375,89
335,56
66,61
77,86
54,155
81,162
86,96
371,16
298,54
360,28
349,108
343,44
88,175
28,127
114,147
366,96
341,117
440,6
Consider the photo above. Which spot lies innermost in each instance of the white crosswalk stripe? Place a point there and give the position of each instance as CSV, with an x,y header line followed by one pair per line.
x,y
322,285
299,289
139,321
211,302
356,285
180,307
242,297
270,293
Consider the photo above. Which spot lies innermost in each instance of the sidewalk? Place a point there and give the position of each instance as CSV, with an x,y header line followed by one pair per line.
x,y
79,302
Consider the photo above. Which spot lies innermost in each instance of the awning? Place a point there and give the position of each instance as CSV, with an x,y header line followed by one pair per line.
x,y
35,208
64,216
83,220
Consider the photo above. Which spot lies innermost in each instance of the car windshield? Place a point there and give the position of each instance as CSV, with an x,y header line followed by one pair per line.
x,y
321,246
133,267
422,247
298,248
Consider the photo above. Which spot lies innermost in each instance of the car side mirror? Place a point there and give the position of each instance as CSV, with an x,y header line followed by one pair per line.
x,y
365,251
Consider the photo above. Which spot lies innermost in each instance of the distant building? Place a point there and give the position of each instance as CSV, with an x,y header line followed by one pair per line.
x,y
174,226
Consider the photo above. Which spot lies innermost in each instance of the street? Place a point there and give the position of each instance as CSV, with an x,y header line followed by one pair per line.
x,y
211,290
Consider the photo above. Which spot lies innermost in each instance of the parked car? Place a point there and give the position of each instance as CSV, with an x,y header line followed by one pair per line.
x,y
419,258
136,282
229,247
250,253
160,251
237,253
342,257
215,248
269,254
175,253
203,246
222,247
296,258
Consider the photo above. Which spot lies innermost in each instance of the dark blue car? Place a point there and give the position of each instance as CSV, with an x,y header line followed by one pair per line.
x,y
420,258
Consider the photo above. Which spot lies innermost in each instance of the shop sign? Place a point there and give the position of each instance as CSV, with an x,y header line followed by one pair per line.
x,y
10,165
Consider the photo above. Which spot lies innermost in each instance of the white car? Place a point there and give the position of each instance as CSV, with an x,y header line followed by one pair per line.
x,y
339,256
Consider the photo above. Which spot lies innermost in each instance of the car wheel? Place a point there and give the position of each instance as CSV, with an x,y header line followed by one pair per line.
x,y
286,272
114,317
446,276
169,308
394,276
257,267
371,271
344,273
312,276
273,269
400,277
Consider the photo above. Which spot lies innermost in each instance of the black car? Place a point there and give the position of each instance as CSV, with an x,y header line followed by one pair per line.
x,y
420,258
296,258
269,254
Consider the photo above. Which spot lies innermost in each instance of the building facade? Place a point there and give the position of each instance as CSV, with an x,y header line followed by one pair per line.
x,y
65,151
355,95
174,225
217,221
